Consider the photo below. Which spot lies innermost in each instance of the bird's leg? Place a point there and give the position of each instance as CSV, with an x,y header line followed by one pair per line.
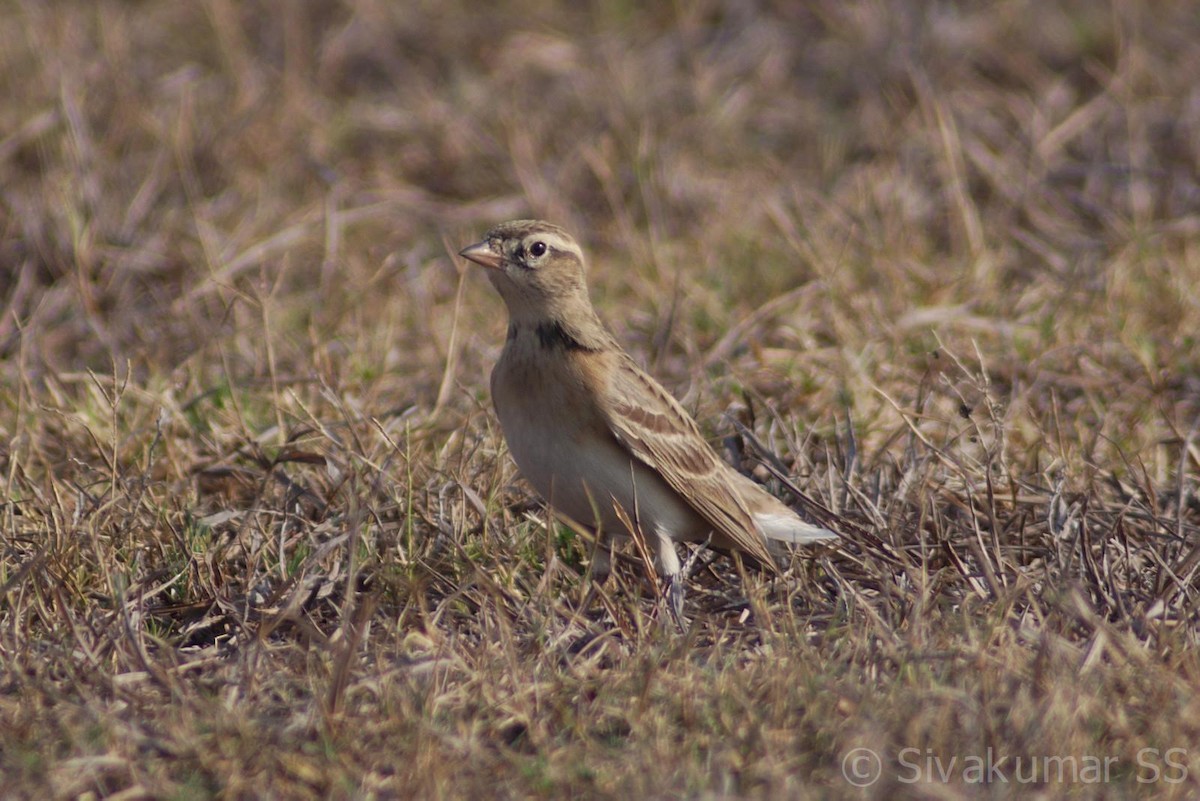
x,y
668,563
599,570
676,580
695,555
674,593
601,559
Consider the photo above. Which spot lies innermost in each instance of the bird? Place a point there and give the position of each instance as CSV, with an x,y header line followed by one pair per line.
x,y
604,444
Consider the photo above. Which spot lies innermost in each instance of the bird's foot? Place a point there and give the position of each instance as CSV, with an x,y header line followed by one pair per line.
x,y
673,594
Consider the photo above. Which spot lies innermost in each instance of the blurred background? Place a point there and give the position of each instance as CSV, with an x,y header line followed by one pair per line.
x,y
175,175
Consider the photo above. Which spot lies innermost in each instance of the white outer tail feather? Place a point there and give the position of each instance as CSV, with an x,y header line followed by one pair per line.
x,y
791,529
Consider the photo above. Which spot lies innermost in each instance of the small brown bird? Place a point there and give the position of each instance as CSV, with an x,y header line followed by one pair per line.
x,y
592,432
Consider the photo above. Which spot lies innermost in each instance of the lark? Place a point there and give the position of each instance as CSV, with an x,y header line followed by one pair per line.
x,y
605,444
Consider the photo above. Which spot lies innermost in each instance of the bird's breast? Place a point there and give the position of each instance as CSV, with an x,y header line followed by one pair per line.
x,y
563,447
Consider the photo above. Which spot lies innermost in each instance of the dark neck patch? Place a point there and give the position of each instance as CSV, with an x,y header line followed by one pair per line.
x,y
553,335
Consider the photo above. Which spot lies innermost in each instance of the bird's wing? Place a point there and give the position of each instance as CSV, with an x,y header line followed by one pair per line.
x,y
649,423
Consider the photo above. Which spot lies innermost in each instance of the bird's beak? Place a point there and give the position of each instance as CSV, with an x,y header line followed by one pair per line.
x,y
482,254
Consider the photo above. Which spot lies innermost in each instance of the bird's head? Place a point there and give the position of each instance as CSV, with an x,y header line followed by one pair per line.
x,y
537,268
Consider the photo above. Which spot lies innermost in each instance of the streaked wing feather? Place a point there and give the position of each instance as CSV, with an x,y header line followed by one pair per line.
x,y
654,428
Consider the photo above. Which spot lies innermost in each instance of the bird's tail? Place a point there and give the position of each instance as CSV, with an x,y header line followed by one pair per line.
x,y
791,529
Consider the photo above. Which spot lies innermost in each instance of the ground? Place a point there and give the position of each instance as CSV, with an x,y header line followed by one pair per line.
x,y
260,535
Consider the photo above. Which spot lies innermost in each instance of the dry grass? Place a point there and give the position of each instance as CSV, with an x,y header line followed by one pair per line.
x,y
261,535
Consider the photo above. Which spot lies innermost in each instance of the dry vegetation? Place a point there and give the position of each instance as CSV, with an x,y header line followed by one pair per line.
x,y
260,536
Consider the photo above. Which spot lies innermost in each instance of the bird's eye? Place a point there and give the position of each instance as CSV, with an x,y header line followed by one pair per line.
x,y
537,249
